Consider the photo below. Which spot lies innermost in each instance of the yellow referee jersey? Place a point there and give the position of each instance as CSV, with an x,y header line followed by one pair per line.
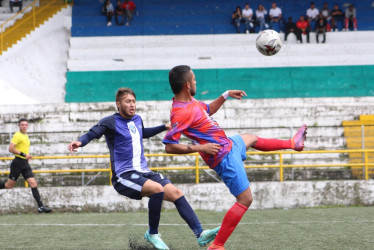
x,y
22,143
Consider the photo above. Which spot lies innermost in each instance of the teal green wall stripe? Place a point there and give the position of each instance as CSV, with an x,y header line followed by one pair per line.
x,y
286,82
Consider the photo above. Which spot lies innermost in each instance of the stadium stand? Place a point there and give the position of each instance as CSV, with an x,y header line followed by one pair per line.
x,y
168,17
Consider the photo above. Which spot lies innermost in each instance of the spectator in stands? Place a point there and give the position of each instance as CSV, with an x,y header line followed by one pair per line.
x,y
326,12
292,28
337,16
247,15
275,14
20,147
260,17
129,10
312,15
236,18
118,11
303,26
350,18
108,11
321,28
13,3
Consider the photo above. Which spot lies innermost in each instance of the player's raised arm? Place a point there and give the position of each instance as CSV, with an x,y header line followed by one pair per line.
x,y
217,103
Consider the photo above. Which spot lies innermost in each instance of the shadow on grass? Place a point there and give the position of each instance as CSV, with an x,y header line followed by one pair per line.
x,y
135,244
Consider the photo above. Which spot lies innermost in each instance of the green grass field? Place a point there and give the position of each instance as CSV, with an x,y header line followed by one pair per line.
x,y
316,228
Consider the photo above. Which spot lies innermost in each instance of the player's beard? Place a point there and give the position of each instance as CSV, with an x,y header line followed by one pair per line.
x,y
193,92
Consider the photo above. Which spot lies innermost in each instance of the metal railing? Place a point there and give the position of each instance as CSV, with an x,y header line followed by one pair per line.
x,y
32,17
366,165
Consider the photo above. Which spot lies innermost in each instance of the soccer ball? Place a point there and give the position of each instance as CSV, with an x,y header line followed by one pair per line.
x,y
269,42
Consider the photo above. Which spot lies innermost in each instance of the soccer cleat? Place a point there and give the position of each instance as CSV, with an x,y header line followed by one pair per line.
x,y
298,139
207,236
44,209
156,241
215,247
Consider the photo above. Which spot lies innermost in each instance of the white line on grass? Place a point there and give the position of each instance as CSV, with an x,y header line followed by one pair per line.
x,y
165,224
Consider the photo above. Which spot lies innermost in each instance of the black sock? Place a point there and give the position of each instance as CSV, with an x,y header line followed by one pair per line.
x,y
154,211
2,185
36,195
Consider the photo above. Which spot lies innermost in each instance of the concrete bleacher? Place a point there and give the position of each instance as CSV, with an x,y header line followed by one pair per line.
x,y
99,65
167,17
53,127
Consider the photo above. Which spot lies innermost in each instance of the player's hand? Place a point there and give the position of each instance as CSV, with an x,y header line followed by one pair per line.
x,y
211,148
73,146
168,126
28,157
238,94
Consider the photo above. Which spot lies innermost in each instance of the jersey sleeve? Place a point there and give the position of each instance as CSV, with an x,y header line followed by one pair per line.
x,y
15,139
97,131
205,106
180,121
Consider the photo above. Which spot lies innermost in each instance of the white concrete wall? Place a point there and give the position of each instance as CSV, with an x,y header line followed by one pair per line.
x,y
214,197
214,51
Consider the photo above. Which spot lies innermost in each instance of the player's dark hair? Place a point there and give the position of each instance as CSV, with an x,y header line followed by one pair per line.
x,y
22,120
124,91
178,76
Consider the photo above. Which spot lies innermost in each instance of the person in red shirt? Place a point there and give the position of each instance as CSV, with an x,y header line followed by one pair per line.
x,y
128,10
303,26
223,154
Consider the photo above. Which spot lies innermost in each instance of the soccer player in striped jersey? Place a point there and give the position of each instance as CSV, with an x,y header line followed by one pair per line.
x,y
124,133
223,154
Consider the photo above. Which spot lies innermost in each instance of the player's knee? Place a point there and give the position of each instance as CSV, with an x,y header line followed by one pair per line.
x,y
158,189
9,185
178,193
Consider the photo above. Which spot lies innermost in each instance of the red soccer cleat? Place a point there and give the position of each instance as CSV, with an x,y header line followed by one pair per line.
x,y
298,139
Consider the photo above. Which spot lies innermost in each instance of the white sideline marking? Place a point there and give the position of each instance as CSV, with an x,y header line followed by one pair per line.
x,y
163,224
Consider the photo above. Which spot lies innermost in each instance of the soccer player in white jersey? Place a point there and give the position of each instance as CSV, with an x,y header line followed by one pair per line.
x,y
124,133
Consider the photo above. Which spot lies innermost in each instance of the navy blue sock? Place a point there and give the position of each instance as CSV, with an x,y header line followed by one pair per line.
x,y
187,213
154,213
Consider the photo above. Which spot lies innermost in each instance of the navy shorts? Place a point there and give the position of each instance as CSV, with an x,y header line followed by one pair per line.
x,y
20,166
231,168
130,184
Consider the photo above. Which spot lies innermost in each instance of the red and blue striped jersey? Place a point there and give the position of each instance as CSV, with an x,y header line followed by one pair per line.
x,y
192,119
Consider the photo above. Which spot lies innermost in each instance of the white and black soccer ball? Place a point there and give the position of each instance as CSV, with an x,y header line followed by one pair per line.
x,y
269,42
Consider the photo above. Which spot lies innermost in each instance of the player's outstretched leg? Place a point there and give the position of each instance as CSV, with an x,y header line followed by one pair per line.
x,y
156,241
207,236
203,237
265,144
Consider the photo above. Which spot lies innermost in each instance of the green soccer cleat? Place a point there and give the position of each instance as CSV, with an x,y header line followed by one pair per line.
x,y
207,236
156,241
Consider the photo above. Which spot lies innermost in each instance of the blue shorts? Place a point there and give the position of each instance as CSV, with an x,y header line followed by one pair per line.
x,y
130,183
231,168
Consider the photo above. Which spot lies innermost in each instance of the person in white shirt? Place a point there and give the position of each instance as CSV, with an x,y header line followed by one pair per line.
x,y
260,17
275,14
312,15
247,14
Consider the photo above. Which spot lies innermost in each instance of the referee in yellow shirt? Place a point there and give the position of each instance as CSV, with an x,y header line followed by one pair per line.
x,y
20,146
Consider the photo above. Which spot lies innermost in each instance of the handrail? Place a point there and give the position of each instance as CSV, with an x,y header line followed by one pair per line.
x,y
16,25
366,164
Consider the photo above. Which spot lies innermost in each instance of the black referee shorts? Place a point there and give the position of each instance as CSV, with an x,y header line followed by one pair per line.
x,y
20,166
